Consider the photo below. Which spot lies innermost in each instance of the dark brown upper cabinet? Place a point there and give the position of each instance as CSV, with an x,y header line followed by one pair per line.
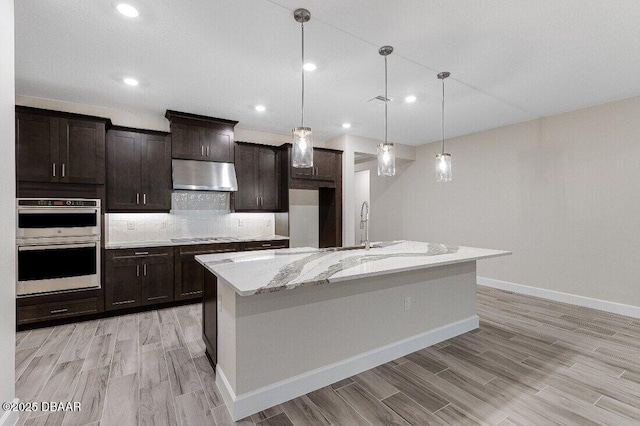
x,y
258,174
138,170
59,147
197,137
326,170
324,167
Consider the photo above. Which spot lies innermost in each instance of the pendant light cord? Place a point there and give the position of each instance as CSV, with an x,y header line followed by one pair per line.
x,y
386,100
442,116
302,68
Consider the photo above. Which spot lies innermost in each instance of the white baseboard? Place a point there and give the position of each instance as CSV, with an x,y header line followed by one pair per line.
x,y
10,418
252,402
558,296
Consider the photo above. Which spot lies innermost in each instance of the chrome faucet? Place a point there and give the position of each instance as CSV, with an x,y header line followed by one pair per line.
x,y
364,224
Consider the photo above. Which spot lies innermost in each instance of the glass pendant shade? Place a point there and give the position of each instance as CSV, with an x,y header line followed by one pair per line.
x,y
443,168
386,160
302,140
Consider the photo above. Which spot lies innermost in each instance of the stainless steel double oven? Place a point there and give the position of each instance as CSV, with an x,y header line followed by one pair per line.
x,y
58,245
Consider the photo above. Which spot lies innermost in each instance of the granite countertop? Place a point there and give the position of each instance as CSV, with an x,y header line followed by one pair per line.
x,y
251,273
189,241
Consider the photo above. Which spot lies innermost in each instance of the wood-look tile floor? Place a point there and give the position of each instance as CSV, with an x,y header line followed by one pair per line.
x,y
531,362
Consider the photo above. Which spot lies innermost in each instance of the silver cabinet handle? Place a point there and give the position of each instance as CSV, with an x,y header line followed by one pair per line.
x,y
141,253
137,270
261,201
266,245
157,297
144,198
54,169
58,311
63,169
137,198
207,151
201,150
124,302
257,201
144,269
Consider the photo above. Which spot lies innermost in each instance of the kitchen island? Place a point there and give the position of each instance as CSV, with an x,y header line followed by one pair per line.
x,y
278,324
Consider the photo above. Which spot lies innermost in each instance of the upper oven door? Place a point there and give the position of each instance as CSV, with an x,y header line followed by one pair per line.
x,y
58,222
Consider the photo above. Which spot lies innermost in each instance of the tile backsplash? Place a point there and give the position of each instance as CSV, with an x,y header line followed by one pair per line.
x,y
193,214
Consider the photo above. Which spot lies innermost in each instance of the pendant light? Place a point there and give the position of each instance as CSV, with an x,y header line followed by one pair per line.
x,y
302,137
386,153
443,160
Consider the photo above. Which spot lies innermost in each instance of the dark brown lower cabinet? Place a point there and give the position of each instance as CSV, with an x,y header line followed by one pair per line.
x,y
138,277
210,298
58,306
189,274
210,316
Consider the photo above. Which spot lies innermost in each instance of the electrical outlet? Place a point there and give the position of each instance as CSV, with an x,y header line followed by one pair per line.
x,y
131,225
240,223
407,303
219,305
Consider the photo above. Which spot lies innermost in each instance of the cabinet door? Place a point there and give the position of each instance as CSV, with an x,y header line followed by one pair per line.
x,y
189,278
210,316
82,149
37,148
302,173
155,164
186,142
189,274
157,279
218,145
123,171
246,198
268,182
324,163
122,283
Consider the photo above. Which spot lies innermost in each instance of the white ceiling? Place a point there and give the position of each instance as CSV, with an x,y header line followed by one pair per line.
x,y
510,60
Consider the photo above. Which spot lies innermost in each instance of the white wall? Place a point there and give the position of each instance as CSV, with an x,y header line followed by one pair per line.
x,y
350,145
7,204
561,192
304,218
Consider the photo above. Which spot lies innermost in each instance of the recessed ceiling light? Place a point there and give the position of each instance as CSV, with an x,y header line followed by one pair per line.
x,y
260,108
309,66
129,81
346,125
127,10
410,99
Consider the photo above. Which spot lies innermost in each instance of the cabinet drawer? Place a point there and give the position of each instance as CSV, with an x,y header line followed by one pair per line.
x,y
121,254
265,245
55,310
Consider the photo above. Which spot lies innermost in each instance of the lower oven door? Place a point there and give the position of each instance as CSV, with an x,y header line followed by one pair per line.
x,y
58,267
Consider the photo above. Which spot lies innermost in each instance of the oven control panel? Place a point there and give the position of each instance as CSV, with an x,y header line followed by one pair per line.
x,y
50,202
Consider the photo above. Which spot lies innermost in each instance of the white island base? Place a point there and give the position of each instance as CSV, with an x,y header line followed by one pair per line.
x,y
276,346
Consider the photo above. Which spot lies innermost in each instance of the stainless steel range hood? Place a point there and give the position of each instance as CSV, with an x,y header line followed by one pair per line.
x,y
204,176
